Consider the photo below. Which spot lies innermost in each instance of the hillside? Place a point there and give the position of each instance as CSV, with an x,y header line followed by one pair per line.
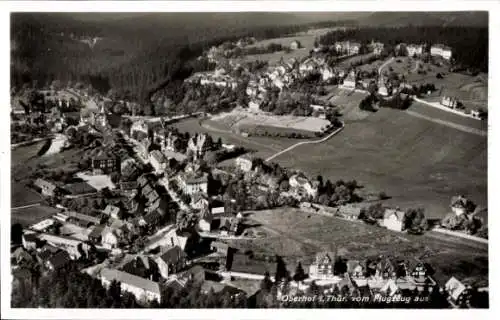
x,y
445,19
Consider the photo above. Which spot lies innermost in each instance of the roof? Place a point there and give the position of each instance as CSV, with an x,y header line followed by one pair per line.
x,y
218,210
454,287
30,237
247,156
171,254
44,183
196,179
59,259
175,155
104,155
389,212
352,264
111,210
83,217
79,188
131,280
128,185
97,231
158,156
321,256
176,284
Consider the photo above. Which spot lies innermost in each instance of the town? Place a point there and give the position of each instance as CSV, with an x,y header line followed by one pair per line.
x,y
151,215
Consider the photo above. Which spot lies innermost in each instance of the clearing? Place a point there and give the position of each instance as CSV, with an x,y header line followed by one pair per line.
x,y
302,235
417,162
31,215
98,182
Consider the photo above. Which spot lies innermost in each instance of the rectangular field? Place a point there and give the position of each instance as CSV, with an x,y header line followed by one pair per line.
x,y
23,196
274,58
356,240
415,161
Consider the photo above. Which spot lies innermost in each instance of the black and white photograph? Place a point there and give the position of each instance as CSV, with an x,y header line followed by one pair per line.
x,y
247,159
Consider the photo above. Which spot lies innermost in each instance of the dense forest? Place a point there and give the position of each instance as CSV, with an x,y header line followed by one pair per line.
x,y
470,44
133,59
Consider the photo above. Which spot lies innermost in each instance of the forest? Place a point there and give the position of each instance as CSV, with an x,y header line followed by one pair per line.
x,y
470,44
132,61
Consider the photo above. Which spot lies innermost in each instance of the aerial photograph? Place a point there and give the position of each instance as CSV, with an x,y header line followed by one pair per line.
x,y
249,160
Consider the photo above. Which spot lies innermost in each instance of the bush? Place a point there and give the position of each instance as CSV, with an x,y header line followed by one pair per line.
x,y
439,76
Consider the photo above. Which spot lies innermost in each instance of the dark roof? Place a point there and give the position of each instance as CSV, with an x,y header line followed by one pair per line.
x,y
172,254
128,185
96,232
30,237
83,217
79,188
60,259
105,155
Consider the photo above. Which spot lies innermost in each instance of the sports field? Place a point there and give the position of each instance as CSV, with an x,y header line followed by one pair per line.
x,y
417,162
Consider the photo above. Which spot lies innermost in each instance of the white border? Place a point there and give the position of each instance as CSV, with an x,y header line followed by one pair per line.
x,y
226,6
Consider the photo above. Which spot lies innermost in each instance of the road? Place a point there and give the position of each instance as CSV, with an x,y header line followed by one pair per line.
x,y
26,206
446,109
305,142
384,64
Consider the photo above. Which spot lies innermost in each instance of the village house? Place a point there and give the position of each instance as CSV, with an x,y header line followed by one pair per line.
x,y
355,269
95,236
442,51
377,48
449,102
106,162
347,47
393,219
199,144
158,161
112,211
382,88
109,238
458,293
128,186
245,162
415,50
58,260
199,201
19,256
301,186
82,220
171,260
461,205
139,126
322,267
295,45
142,289
191,183
47,188
254,105
205,220
72,246
29,240
350,81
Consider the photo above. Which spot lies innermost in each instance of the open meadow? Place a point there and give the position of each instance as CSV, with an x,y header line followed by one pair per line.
x,y
418,163
31,215
301,235
275,57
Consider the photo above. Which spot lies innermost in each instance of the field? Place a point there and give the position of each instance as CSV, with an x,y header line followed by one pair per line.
x,y
417,162
348,103
239,119
24,153
344,64
98,182
275,57
30,215
304,235
23,196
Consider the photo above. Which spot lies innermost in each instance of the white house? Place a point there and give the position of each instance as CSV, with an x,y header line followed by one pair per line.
x,y
254,105
142,289
109,238
350,80
449,102
322,267
192,183
459,205
442,51
382,89
171,260
244,162
393,219
302,186
157,160
112,211
205,221
415,49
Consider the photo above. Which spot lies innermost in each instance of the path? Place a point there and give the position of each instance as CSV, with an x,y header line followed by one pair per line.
x,y
449,124
27,206
384,64
306,142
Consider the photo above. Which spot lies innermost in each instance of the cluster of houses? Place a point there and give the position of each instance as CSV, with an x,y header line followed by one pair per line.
x,y
436,50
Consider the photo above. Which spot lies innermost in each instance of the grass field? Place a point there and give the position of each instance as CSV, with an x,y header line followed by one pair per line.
x,y
347,62
23,196
448,116
303,235
31,215
274,58
417,162
24,153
